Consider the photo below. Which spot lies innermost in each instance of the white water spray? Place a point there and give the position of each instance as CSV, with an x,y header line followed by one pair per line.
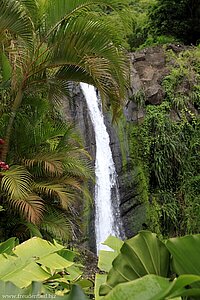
x,y
107,215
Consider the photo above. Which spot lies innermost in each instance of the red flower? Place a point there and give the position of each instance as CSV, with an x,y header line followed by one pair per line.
x,y
4,166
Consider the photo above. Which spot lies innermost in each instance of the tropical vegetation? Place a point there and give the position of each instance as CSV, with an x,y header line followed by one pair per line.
x,y
141,268
46,48
165,147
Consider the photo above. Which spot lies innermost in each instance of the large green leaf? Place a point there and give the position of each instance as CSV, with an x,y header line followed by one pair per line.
x,y
185,254
75,294
106,257
33,260
141,255
9,290
105,261
21,272
99,280
152,287
36,248
54,262
35,290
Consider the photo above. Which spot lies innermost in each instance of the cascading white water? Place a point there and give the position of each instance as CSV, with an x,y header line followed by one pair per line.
x,y
107,215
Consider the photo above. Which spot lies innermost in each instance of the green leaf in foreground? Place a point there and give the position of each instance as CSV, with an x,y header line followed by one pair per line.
x,y
152,287
141,255
185,254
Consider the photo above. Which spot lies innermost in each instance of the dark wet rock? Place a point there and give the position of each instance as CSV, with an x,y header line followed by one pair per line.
x,y
148,69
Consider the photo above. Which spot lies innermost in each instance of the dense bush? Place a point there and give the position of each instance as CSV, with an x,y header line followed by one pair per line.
x,y
166,145
176,18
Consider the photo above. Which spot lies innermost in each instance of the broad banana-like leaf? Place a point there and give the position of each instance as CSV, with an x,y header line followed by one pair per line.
x,y
36,248
21,272
75,294
153,287
36,289
185,254
54,262
106,257
141,255
67,254
99,280
33,260
8,288
105,261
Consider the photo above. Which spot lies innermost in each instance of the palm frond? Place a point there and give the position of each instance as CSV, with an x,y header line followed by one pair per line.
x,y
14,19
56,191
33,229
38,131
49,164
94,55
76,167
58,89
57,225
74,73
71,182
71,140
31,8
59,11
16,182
30,208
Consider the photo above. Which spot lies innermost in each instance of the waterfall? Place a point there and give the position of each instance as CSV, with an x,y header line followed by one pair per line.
x,y
107,214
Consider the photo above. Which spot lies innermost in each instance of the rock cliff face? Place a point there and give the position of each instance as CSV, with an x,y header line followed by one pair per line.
x,y
148,68
76,111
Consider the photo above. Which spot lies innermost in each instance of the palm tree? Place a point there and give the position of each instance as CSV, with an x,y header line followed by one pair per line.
x,y
45,186
44,46
47,41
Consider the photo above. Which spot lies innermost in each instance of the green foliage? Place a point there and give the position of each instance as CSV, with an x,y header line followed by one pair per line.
x,y
38,260
185,253
44,47
145,254
36,290
176,18
43,192
149,255
155,40
142,35
181,85
152,287
163,148
139,23
167,145
139,98
140,172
